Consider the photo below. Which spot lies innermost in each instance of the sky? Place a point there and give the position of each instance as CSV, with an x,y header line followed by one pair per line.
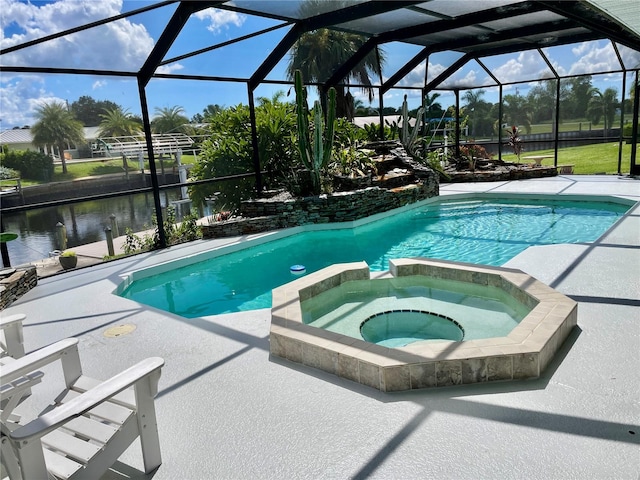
x,y
124,45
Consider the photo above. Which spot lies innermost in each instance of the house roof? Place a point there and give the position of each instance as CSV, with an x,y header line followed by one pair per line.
x,y
23,135
16,136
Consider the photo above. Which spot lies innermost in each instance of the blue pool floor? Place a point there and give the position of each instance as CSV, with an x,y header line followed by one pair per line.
x,y
228,410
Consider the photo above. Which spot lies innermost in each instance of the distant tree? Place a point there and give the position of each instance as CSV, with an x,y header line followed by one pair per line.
x,y
579,96
517,111
478,111
432,108
55,125
207,113
87,110
628,102
541,99
390,110
169,119
603,105
211,111
117,122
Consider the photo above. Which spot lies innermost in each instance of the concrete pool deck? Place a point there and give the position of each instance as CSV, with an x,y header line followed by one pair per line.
x,y
227,410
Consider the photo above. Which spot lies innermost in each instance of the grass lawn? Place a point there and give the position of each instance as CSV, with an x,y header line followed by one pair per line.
x,y
103,167
587,159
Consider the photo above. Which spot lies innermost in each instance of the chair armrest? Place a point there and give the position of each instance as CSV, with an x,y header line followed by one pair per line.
x,y
38,359
88,400
9,320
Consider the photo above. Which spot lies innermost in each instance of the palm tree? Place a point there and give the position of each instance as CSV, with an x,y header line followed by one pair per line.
x,y
169,119
517,111
117,122
318,54
56,126
476,107
602,105
432,109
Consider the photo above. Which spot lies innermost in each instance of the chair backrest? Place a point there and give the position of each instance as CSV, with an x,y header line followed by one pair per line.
x,y
11,336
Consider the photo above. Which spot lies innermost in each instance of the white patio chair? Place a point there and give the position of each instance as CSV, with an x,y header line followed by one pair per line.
x,y
11,348
11,337
89,425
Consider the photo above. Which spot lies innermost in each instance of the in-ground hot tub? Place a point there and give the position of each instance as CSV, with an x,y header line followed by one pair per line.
x,y
425,322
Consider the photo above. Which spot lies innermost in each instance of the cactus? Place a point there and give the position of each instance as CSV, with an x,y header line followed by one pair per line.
x,y
408,137
314,147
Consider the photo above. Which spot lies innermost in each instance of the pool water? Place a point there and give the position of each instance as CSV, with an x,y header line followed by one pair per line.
x,y
489,232
415,303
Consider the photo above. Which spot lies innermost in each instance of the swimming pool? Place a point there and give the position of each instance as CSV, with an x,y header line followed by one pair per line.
x,y
484,230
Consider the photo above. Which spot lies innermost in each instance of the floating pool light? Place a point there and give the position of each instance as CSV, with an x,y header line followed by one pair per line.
x,y
297,269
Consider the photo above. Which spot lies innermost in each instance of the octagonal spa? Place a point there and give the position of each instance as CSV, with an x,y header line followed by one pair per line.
x,y
424,323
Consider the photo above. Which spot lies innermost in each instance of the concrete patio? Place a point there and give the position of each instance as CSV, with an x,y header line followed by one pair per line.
x,y
226,410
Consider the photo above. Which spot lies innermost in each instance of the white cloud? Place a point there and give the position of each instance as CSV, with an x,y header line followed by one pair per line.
x,y
19,96
415,78
594,58
631,58
219,19
580,49
528,65
121,45
459,79
166,69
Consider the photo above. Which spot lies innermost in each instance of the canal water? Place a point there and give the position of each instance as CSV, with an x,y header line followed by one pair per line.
x,y
84,222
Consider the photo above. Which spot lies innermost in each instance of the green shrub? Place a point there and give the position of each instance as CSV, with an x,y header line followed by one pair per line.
x,y
6,173
185,231
628,130
30,164
228,151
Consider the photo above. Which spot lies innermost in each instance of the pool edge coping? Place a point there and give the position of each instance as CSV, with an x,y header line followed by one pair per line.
x,y
524,353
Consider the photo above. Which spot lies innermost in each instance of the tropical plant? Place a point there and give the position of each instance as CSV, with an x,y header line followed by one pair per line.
x,y
348,133
169,119
348,159
392,128
275,125
56,126
473,152
314,144
319,53
176,232
227,149
515,141
117,122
